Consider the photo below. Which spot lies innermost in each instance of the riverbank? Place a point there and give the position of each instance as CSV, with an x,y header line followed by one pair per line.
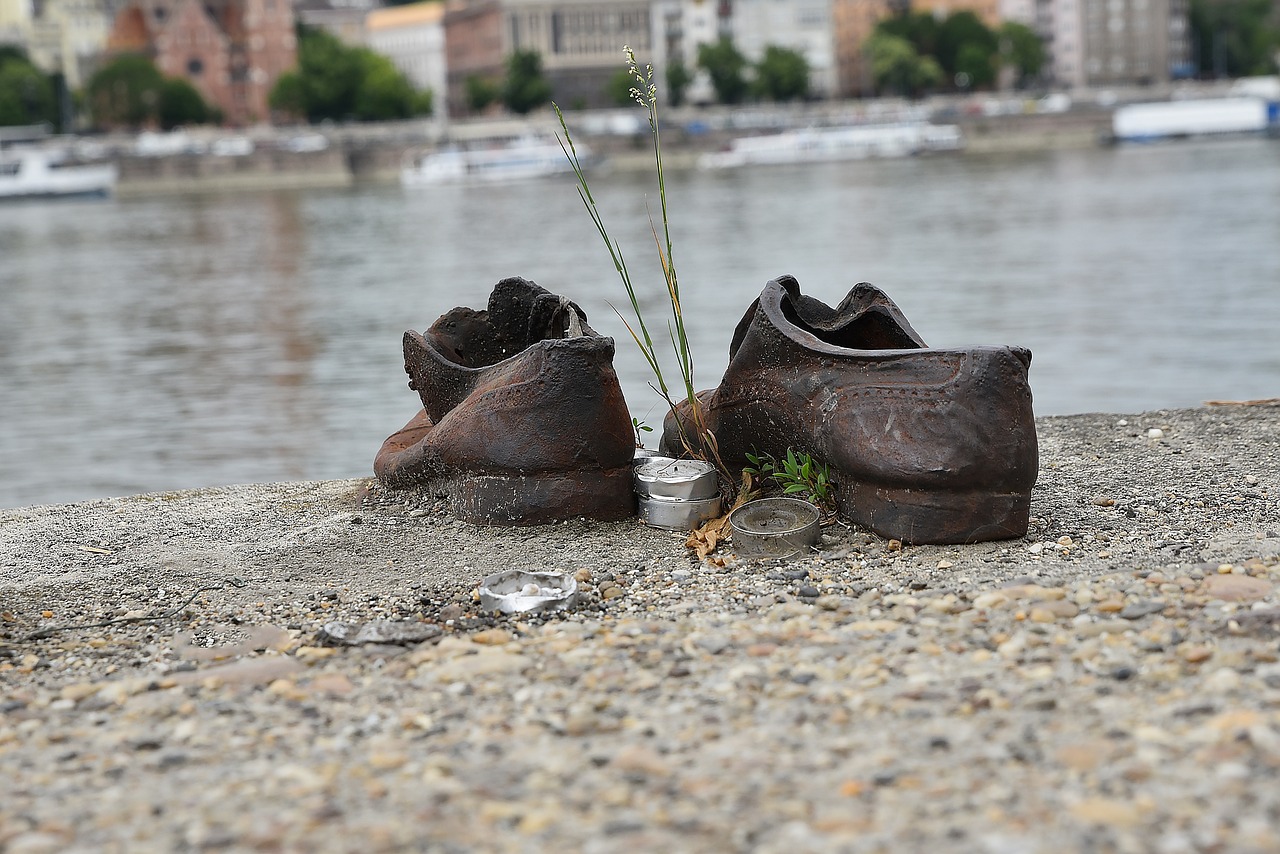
x,y
376,157
1111,682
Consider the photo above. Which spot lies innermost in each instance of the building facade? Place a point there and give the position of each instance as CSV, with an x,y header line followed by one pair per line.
x,y
580,43
15,22
853,22
806,26
473,48
1100,43
412,37
232,51
344,21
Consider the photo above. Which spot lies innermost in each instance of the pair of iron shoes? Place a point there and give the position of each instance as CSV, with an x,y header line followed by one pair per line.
x,y
524,421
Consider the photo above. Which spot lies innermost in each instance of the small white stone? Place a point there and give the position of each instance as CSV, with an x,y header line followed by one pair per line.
x,y
1035,548
1123,422
1155,433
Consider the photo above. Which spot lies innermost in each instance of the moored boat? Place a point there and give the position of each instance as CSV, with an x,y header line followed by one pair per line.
x,y
855,142
43,173
1162,120
516,159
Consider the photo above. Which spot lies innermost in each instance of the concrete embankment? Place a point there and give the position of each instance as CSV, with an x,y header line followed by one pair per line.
x,y
354,158
1109,682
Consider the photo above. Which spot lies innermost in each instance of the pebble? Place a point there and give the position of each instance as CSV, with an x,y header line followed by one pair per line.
x,y
1236,588
899,707
1140,609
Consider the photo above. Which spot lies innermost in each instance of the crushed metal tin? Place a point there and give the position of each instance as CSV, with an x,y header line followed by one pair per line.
x,y
681,480
673,514
518,591
774,528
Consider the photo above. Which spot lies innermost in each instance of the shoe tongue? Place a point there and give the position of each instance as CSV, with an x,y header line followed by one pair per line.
x,y
511,306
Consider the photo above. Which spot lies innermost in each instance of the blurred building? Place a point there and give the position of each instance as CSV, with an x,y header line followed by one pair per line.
x,y
806,26
60,36
344,19
232,51
987,10
1100,43
580,43
412,37
853,22
15,22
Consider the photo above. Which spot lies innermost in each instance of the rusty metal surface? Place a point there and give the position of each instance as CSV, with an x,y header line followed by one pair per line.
x,y
523,418
925,445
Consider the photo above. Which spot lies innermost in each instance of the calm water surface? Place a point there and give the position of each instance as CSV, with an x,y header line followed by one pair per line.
x,y
166,343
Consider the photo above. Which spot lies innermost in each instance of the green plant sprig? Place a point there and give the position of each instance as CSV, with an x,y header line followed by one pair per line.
x,y
645,93
797,474
646,345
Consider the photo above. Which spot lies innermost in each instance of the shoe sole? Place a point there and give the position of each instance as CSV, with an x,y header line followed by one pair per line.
x,y
940,518
540,499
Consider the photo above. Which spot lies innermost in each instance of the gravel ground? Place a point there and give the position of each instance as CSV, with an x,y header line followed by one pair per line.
x,y
1111,682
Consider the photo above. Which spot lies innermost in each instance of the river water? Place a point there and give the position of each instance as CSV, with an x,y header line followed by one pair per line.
x,y
172,342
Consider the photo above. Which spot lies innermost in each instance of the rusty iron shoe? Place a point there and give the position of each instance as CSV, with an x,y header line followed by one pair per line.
x,y
523,419
924,445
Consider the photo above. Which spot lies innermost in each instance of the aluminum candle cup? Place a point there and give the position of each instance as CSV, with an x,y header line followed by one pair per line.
x,y
644,455
673,514
682,480
518,591
778,528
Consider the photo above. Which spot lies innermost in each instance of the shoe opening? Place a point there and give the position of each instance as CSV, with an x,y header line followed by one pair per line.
x,y
872,328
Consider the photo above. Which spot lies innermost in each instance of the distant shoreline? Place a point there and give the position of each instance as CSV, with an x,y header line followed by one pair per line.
x,y
351,161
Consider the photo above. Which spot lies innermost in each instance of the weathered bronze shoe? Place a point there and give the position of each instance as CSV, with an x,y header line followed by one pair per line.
x,y
523,420
925,445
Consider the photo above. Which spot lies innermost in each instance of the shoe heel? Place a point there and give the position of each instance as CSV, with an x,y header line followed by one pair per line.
x,y
541,498
920,516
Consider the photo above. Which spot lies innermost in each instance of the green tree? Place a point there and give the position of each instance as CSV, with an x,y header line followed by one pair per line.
x,y
384,93
125,92
966,45
27,94
920,29
180,104
481,92
1021,49
678,79
1235,38
782,74
130,92
525,88
726,66
976,65
289,95
897,66
334,81
618,89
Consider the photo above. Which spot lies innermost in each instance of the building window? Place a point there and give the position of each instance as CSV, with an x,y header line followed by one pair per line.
x,y
195,67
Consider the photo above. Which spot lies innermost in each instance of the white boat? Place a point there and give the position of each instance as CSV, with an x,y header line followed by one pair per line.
x,y
855,142
505,160
34,173
1197,117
